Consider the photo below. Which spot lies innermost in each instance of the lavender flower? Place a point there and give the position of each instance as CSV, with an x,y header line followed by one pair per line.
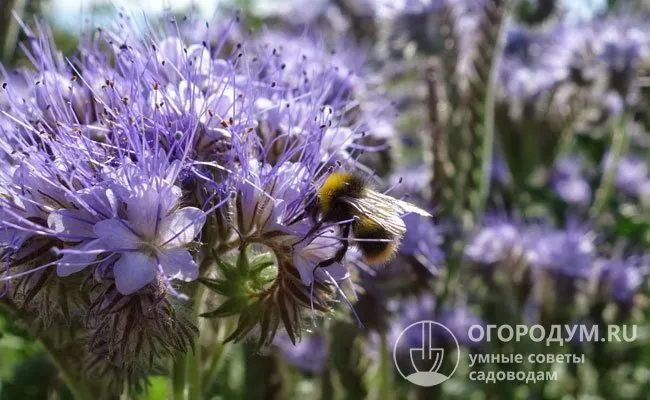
x,y
309,355
534,61
569,183
268,209
631,174
569,252
497,241
423,241
306,257
602,51
76,227
111,173
151,239
501,249
622,279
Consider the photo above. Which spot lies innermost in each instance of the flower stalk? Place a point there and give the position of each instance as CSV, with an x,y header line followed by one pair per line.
x,y
605,189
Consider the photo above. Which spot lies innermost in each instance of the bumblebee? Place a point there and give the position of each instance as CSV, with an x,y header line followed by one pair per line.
x,y
375,221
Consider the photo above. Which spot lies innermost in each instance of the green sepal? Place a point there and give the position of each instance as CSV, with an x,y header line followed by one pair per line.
x,y
243,266
244,284
247,321
232,306
219,286
228,271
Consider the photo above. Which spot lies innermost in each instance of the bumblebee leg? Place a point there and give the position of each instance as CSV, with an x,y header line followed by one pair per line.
x,y
326,263
340,253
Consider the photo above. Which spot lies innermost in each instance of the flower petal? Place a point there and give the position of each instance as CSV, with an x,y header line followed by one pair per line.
x,y
181,227
144,212
178,264
307,257
133,271
72,263
101,200
76,224
114,233
146,209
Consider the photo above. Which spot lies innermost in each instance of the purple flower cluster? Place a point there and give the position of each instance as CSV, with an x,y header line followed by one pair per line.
x,y
105,150
631,176
138,164
600,60
621,279
310,355
569,182
92,167
534,255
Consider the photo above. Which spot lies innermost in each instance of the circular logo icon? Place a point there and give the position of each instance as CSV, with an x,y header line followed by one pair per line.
x,y
422,353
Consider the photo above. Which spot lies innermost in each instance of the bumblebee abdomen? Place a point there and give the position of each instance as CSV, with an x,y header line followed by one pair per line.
x,y
377,244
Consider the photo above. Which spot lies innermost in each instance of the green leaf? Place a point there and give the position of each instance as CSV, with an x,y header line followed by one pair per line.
x,y
227,270
243,266
232,306
221,287
247,321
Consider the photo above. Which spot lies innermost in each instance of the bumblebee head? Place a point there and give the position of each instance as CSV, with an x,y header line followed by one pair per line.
x,y
336,185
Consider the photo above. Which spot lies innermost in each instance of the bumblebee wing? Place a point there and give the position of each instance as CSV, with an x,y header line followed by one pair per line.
x,y
400,207
380,212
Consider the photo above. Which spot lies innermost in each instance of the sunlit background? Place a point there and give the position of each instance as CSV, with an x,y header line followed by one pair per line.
x,y
71,16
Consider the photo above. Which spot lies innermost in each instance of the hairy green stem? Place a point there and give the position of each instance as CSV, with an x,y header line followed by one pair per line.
x,y
194,386
487,139
218,351
605,189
